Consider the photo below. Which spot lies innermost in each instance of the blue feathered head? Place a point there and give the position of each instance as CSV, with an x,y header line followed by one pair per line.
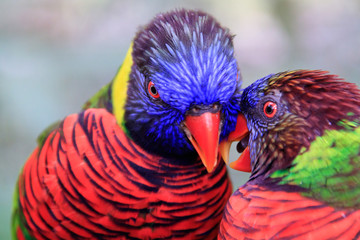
x,y
183,68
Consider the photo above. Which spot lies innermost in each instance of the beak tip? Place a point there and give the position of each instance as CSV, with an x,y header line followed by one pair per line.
x,y
203,133
242,164
210,169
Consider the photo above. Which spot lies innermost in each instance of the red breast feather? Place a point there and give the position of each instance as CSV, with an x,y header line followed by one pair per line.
x,y
255,212
89,181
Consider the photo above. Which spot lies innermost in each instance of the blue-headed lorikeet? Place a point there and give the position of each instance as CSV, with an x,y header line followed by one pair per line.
x,y
300,136
127,166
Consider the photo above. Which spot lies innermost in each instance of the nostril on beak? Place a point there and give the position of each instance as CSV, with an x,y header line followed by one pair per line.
x,y
195,110
215,107
199,109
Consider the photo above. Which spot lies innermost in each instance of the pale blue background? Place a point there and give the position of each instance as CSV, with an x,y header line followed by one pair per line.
x,y
55,54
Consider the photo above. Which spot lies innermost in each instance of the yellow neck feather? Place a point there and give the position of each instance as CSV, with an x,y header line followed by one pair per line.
x,y
119,89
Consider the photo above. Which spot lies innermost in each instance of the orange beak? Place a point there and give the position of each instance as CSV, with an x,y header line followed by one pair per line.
x,y
243,163
203,132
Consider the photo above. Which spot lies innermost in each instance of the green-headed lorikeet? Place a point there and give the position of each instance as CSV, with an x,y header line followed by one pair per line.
x,y
301,132
128,165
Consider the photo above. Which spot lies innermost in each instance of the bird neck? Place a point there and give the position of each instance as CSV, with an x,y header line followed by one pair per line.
x,y
329,170
119,89
112,96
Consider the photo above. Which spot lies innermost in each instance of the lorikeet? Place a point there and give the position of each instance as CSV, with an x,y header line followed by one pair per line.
x,y
128,165
301,132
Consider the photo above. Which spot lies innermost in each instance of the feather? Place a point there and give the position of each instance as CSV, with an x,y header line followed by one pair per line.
x,y
132,164
305,159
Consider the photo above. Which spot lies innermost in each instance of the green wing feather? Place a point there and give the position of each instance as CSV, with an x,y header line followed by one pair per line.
x,y
330,169
45,133
17,218
102,99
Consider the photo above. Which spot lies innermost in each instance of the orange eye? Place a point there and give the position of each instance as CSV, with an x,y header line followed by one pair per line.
x,y
152,90
270,109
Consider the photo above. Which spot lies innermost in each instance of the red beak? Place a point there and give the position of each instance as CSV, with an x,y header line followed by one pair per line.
x,y
243,163
204,135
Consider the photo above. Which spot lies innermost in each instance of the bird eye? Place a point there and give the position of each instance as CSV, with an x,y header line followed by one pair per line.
x,y
152,90
270,109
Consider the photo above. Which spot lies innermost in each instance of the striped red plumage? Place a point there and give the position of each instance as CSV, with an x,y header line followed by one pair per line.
x,y
90,181
256,212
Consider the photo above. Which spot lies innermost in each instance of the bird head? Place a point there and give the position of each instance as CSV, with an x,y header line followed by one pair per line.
x,y
283,113
183,87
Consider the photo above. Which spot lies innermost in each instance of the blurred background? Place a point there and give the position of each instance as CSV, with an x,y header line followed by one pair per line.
x,y
54,55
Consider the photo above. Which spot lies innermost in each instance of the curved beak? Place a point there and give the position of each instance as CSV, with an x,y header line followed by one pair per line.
x,y
203,132
243,163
